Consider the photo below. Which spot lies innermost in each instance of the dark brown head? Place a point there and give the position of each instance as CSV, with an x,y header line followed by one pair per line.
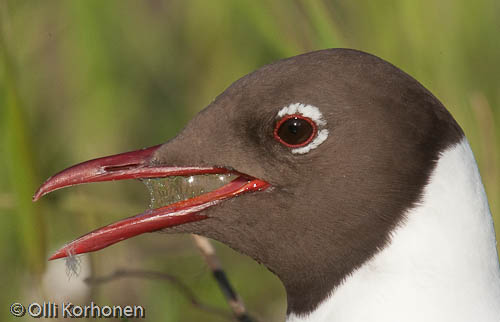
x,y
340,142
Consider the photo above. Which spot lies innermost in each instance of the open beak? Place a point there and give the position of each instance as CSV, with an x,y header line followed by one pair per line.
x,y
139,165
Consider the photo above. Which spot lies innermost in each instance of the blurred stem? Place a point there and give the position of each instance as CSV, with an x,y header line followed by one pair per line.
x,y
489,158
265,24
21,170
175,281
326,32
233,299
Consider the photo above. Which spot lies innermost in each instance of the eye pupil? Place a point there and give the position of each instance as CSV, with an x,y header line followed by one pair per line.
x,y
295,131
294,127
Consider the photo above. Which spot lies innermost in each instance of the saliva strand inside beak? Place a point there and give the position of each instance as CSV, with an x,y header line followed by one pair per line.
x,y
165,191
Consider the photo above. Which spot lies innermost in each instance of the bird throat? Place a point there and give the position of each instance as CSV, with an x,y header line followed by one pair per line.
x,y
166,191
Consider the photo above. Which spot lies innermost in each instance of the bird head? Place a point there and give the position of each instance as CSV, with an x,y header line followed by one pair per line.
x,y
318,151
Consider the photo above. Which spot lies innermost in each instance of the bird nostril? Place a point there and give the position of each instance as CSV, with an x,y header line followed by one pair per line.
x,y
116,168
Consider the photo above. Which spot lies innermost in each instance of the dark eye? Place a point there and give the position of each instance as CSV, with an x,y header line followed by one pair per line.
x,y
295,130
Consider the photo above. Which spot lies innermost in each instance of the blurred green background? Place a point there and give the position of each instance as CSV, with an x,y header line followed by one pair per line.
x,y
81,79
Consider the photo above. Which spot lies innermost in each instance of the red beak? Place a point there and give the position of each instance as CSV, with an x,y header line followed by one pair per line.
x,y
136,165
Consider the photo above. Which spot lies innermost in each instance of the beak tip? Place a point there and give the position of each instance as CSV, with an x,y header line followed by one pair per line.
x,y
59,254
35,197
38,194
45,188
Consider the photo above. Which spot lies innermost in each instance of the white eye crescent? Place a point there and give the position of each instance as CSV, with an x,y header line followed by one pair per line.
x,y
309,112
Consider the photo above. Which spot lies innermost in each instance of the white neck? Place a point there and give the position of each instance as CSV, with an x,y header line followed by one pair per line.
x,y
441,264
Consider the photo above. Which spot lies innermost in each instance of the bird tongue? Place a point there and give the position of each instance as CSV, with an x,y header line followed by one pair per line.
x,y
198,190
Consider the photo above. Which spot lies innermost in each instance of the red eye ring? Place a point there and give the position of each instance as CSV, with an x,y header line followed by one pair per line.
x,y
309,138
